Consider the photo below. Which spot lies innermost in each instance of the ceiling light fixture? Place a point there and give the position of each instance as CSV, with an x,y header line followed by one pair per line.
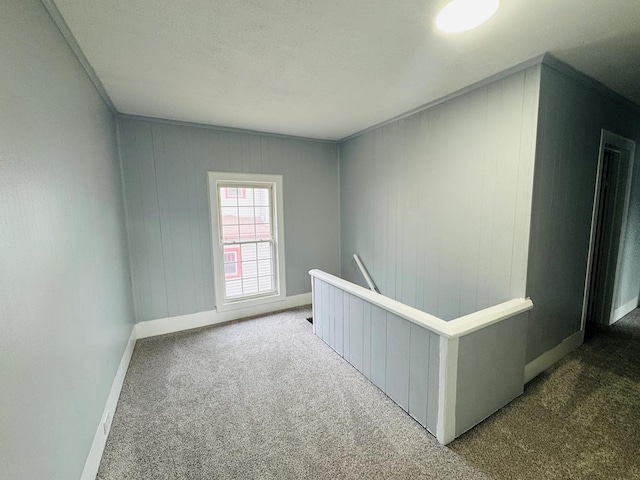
x,y
462,15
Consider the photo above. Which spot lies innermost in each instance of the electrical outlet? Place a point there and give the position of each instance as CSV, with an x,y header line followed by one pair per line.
x,y
106,422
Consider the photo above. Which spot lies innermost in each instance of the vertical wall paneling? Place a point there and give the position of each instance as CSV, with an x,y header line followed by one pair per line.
x,y
339,322
447,379
175,214
629,281
332,316
145,239
526,169
490,370
314,323
434,383
572,114
378,347
397,365
366,343
506,167
346,328
437,204
165,167
356,332
318,315
419,373
326,312
399,357
432,214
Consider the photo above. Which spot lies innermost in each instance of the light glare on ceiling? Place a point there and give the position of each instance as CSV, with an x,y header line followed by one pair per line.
x,y
462,15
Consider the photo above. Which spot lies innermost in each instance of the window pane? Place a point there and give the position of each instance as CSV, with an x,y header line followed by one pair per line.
x,y
249,252
247,233
232,265
246,215
231,252
250,286
263,215
263,232
246,199
228,197
230,233
264,251
231,270
265,284
264,267
233,288
261,196
229,215
249,269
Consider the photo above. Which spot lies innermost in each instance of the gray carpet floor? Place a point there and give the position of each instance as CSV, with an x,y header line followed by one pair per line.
x,y
266,399
578,420
263,399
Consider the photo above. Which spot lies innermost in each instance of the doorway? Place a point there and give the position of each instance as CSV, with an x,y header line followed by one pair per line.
x,y
611,203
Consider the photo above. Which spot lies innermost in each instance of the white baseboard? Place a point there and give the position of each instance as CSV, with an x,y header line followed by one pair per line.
x,y
100,439
620,312
547,359
151,328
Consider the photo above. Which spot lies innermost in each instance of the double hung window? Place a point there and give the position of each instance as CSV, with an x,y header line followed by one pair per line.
x,y
247,238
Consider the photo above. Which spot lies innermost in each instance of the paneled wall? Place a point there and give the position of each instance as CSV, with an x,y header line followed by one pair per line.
x,y
629,287
399,357
448,375
165,169
490,366
438,204
66,310
573,110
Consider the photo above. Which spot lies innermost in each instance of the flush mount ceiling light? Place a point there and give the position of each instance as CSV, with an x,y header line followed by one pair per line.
x,y
462,15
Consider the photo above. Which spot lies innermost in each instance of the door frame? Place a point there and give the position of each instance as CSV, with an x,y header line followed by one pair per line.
x,y
627,149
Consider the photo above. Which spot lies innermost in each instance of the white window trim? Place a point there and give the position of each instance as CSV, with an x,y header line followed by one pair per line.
x,y
275,182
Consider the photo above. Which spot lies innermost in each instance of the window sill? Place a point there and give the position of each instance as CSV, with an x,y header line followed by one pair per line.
x,y
251,302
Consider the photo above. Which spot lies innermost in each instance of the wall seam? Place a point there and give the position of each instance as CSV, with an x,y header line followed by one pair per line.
x,y
72,43
534,153
339,164
127,225
164,266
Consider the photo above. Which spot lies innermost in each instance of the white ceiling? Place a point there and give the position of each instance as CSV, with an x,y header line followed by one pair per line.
x,y
329,68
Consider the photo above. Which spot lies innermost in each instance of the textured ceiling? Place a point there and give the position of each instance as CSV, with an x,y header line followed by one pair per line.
x,y
329,68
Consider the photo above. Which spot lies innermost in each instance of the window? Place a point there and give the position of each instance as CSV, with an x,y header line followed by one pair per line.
x,y
247,238
235,193
232,262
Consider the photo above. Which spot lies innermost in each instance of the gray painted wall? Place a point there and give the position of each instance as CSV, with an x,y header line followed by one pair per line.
x,y
437,204
572,113
399,357
629,286
65,303
490,370
165,169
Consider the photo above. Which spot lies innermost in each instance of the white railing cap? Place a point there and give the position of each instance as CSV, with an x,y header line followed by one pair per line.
x,y
451,329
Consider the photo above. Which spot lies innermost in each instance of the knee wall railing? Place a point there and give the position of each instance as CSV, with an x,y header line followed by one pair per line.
x,y
448,375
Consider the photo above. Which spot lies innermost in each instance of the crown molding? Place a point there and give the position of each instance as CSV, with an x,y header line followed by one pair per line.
x,y
486,81
181,123
57,18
